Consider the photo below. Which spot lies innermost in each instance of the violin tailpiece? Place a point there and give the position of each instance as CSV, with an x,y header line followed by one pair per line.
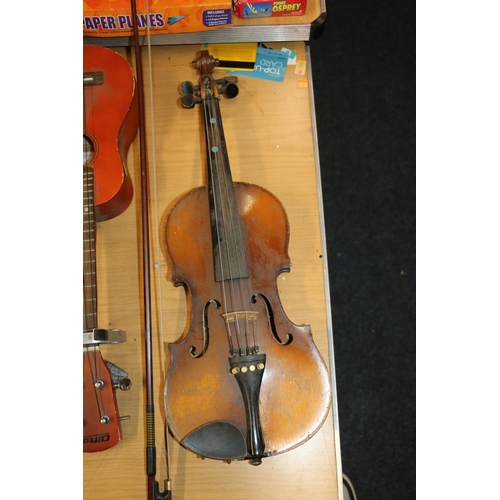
x,y
248,371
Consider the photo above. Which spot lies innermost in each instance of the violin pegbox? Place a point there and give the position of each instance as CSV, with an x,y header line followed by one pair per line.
x,y
191,94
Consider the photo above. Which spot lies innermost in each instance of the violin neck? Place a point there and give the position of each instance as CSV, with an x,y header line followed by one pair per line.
x,y
228,248
89,256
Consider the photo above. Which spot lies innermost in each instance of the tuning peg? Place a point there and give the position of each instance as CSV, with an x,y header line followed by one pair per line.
x,y
123,384
227,86
190,94
187,88
187,101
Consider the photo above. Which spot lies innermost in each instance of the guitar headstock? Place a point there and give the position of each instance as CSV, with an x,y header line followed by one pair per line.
x,y
101,423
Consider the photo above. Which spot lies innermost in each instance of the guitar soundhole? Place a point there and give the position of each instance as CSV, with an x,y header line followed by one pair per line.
x,y
89,150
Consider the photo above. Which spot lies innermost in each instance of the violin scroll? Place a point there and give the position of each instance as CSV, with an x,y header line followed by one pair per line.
x,y
205,63
194,94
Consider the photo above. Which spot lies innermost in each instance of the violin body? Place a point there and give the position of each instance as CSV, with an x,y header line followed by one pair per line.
x,y
110,125
245,382
200,392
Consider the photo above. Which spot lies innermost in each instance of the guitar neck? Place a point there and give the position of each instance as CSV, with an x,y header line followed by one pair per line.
x,y
89,253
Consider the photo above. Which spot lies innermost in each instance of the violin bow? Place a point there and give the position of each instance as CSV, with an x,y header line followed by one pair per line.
x,y
153,486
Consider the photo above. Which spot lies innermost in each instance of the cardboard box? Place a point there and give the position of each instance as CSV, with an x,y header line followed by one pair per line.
x,y
268,8
108,18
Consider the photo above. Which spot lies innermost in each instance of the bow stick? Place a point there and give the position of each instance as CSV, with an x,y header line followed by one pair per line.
x,y
153,487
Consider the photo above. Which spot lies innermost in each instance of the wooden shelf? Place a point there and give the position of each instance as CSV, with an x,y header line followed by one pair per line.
x,y
269,29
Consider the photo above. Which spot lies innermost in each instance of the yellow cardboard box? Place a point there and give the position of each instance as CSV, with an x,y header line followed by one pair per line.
x,y
107,18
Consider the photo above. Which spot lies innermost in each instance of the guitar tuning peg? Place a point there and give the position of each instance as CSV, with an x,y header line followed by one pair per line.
x,y
123,384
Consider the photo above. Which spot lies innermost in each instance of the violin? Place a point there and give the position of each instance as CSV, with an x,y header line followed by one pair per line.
x,y
244,382
110,125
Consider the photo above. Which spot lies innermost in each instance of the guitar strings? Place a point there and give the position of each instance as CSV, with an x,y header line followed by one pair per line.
x,y
89,264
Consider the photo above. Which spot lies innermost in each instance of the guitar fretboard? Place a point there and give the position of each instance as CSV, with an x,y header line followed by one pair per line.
x,y
89,255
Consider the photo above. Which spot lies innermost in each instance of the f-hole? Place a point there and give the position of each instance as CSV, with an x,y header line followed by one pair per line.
x,y
270,318
192,349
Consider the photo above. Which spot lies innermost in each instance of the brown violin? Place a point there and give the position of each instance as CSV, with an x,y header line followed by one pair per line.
x,y
110,124
244,382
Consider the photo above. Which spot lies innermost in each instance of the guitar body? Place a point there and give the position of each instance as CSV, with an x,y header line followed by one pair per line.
x,y
110,125
101,423
110,113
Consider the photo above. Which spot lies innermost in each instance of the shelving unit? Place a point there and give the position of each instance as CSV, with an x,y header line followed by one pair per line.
x,y
264,29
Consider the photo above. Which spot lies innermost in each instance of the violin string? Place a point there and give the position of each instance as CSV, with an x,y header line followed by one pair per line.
x,y
228,219
210,135
243,283
225,224
245,292
229,304
239,296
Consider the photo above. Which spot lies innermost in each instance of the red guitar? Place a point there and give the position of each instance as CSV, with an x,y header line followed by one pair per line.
x,y
110,125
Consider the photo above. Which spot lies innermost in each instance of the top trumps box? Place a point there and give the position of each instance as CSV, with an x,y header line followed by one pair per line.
x,y
268,8
107,18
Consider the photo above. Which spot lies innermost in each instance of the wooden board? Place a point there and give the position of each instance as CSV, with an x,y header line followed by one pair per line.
x,y
270,140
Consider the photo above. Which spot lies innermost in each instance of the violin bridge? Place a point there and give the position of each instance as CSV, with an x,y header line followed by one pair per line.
x,y
240,315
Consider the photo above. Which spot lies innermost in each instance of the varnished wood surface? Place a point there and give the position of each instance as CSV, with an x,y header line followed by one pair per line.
x,y
269,135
